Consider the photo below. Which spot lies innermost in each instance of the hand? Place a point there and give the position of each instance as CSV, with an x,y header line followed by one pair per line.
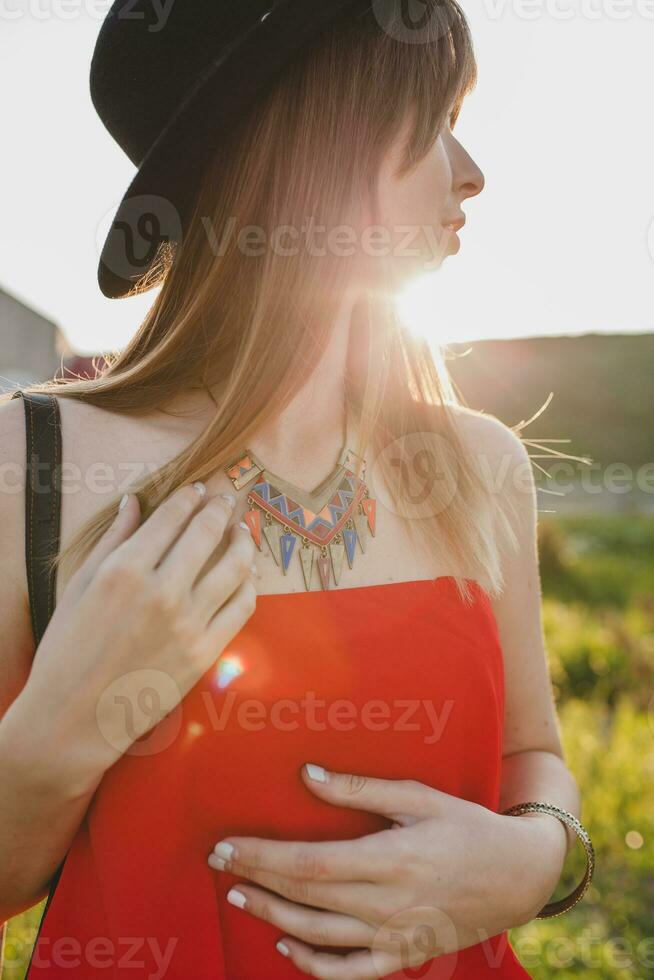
x,y
136,628
448,874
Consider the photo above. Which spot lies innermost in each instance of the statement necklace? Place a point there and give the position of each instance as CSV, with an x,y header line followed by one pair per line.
x,y
326,522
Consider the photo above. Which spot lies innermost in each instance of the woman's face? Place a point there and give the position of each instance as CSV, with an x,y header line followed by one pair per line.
x,y
418,209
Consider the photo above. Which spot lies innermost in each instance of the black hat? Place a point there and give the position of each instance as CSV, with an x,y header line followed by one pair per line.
x,y
169,79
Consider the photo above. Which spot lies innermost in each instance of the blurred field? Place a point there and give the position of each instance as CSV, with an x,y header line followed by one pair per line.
x,y
598,602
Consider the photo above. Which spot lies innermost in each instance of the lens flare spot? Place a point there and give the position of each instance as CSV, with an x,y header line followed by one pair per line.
x,y
229,666
194,729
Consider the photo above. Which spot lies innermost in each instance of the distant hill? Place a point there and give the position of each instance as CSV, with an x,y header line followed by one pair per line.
x,y
603,389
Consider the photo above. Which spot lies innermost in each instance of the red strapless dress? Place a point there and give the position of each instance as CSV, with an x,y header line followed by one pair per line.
x,y
136,897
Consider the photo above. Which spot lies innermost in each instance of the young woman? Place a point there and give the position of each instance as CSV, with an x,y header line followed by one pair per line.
x,y
281,698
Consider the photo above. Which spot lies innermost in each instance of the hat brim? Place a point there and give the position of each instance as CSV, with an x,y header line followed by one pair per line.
x,y
155,206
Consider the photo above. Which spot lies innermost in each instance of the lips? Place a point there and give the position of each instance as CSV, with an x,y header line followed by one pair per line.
x,y
455,225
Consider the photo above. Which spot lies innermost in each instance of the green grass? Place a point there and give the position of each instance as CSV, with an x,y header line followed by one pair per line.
x,y
598,614
20,937
608,935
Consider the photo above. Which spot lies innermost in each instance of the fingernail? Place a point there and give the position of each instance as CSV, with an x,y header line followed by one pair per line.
x,y
317,773
200,487
283,948
230,498
236,898
224,850
253,569
216,862
123,501
244,526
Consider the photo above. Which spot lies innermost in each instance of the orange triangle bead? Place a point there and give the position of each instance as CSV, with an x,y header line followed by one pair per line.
x,y
253,521
370,510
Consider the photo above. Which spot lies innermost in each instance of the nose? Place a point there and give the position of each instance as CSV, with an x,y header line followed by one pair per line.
x,y
475,184
467,178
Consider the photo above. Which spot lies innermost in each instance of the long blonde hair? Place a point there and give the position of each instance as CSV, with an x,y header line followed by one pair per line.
x,y
256,326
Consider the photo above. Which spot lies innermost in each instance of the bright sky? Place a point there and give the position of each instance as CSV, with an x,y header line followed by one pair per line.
x,y
560,241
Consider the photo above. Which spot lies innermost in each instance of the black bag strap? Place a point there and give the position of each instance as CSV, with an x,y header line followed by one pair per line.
x,y
42,529
42,503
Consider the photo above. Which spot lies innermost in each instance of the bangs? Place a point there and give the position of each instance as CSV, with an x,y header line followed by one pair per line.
x,y
438,73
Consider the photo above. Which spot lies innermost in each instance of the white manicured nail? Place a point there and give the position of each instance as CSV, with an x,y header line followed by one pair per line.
x,y
217,863
200,487
283,948
230,498
236,898
317,773
224,850
243,525
123,501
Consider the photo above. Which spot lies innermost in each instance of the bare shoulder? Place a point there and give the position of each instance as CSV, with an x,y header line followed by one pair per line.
x,y
13,449
107,453
489,436
18,640
12,426
500,456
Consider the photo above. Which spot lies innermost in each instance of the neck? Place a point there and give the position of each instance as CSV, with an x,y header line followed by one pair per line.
x,y
311,427
303,442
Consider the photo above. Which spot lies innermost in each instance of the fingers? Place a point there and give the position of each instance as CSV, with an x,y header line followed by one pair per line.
x,y
124,524
374,857
313,925
351,898
396,799
147,545
228,575
358,965
183,563
232,617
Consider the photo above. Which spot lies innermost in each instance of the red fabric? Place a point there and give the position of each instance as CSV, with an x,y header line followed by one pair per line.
x,y
137,898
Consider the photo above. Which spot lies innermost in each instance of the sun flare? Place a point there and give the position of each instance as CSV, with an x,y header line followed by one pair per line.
x,y
418,309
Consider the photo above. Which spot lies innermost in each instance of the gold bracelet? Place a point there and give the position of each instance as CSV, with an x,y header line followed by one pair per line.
x,y
557,908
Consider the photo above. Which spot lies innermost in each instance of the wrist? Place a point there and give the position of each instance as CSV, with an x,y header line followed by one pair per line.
x,y
554,827
540,850
46,758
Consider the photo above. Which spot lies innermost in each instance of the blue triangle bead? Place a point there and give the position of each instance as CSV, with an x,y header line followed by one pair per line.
x,y
350,541
288,542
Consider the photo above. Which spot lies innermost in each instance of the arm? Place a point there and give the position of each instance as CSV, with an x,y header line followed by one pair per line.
x,y
40,809
140,590
534,767
40,812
